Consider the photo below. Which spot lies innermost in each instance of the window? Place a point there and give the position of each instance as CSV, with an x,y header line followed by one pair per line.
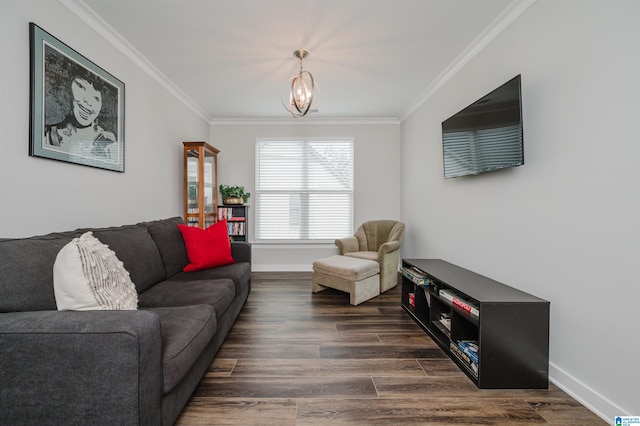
x,y
304,190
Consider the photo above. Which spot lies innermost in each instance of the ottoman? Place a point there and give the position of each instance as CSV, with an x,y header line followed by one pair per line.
x,y
358,277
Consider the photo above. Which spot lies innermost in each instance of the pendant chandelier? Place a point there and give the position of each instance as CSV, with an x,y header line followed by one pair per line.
x,y
302,89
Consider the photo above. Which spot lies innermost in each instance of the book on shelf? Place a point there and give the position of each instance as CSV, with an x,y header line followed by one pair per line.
x,y
469,347
235,228
459,302
412,300
445,321
415,275
446,294
466,360
227,213
427,296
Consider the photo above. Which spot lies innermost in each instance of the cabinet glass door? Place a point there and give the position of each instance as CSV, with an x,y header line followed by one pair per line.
x,y
201,182
210,190
192,181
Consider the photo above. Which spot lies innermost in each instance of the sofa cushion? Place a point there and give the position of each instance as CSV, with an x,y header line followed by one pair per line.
x,y
207,248
26,273
87,275
239,272
170,243
186,332
217,293
135,248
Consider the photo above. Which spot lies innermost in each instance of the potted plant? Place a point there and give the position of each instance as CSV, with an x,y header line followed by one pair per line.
x,y
233,194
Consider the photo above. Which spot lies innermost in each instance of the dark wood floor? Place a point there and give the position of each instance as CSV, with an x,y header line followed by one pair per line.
x,y
297,358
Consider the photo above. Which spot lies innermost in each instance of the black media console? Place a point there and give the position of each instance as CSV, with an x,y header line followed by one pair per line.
x,y
498,335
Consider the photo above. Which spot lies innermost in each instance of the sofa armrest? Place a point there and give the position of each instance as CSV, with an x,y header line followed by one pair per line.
x,y
241,251
92,367
347,245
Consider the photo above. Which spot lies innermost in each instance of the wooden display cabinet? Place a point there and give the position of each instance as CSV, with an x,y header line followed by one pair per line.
x,y
200,184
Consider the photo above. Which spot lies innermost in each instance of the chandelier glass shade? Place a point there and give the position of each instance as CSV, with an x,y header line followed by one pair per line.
x,y
302,89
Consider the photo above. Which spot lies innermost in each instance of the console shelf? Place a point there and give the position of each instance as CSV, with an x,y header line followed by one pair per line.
x,y
496,334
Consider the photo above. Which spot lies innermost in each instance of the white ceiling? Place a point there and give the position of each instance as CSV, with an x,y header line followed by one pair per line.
x,y
229,59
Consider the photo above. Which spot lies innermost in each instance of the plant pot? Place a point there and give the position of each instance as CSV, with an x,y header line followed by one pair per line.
x,y
233,200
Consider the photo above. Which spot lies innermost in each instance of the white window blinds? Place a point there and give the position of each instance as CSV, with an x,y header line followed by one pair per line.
x,y
304,190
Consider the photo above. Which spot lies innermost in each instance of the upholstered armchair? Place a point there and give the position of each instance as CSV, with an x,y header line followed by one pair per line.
x,y
377,240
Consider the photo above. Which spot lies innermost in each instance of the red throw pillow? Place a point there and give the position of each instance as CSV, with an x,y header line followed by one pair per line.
x,y
207,248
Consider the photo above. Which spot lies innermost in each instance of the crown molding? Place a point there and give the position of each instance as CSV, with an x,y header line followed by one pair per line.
x,y
95,22
502,22
306,121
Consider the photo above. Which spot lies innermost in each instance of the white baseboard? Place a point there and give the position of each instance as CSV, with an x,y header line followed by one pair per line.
x,y
280,268
590,398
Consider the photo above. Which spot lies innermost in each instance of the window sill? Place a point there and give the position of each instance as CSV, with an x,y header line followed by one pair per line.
x,y
292,244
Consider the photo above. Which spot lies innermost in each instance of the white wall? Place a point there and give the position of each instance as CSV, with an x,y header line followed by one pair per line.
x,y
39,195
376,176
564,226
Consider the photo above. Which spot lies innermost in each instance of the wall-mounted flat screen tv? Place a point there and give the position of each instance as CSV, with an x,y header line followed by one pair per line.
x,y
486,135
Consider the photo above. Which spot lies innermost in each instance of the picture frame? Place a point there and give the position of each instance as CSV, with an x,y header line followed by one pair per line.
x,y
76,107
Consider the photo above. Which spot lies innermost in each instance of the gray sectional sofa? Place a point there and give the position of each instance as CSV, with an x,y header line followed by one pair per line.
x,y
136,367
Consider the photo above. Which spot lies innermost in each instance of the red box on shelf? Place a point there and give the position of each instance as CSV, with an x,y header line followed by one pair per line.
x,y
412,300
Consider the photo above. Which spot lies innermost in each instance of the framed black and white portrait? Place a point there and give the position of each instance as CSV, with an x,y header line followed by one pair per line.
x,y
77,108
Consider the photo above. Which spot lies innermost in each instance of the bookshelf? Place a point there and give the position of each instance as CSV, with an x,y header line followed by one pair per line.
x,y
237,220
496,334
